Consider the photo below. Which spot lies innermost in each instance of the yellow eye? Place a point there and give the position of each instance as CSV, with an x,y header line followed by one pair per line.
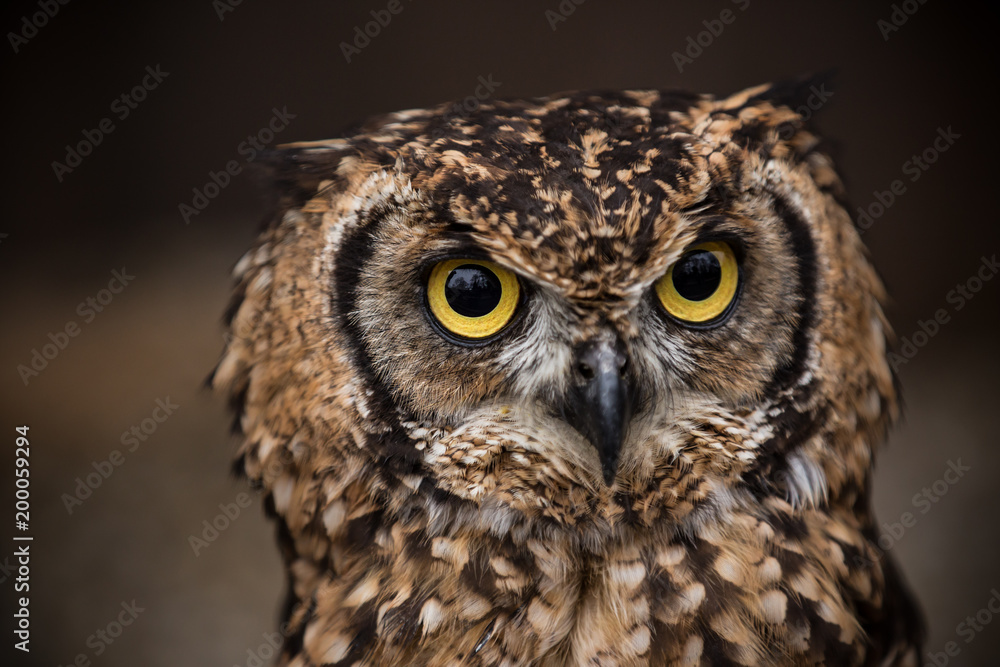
x,y
700,285
472,298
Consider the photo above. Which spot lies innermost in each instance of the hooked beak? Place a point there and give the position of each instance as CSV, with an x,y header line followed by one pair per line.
x,y
600,404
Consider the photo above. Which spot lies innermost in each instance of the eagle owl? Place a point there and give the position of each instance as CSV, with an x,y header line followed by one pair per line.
x,y
590,379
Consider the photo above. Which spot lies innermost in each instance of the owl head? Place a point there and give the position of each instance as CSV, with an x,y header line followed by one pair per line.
x,y
590,308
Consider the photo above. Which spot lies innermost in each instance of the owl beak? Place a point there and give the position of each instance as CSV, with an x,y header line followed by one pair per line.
x,y
600,404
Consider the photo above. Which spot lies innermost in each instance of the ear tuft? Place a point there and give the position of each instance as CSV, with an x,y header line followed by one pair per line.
x,y
296,170
807,92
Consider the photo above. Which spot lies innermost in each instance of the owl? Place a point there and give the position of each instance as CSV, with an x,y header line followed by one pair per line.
x,y
589,379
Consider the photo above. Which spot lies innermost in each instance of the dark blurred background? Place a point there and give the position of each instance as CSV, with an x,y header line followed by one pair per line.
x,y
227,68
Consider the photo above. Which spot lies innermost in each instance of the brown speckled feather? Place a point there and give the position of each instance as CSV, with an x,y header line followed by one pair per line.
x,y
435,506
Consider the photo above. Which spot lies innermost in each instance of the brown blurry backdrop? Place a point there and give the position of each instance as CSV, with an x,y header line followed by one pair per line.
x,y
160,336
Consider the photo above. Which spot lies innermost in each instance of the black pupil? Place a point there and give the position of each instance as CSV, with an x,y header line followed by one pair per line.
x,y
697,275
472,290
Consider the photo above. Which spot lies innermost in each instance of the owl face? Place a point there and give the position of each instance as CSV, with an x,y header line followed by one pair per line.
x,y
578,306
588,336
